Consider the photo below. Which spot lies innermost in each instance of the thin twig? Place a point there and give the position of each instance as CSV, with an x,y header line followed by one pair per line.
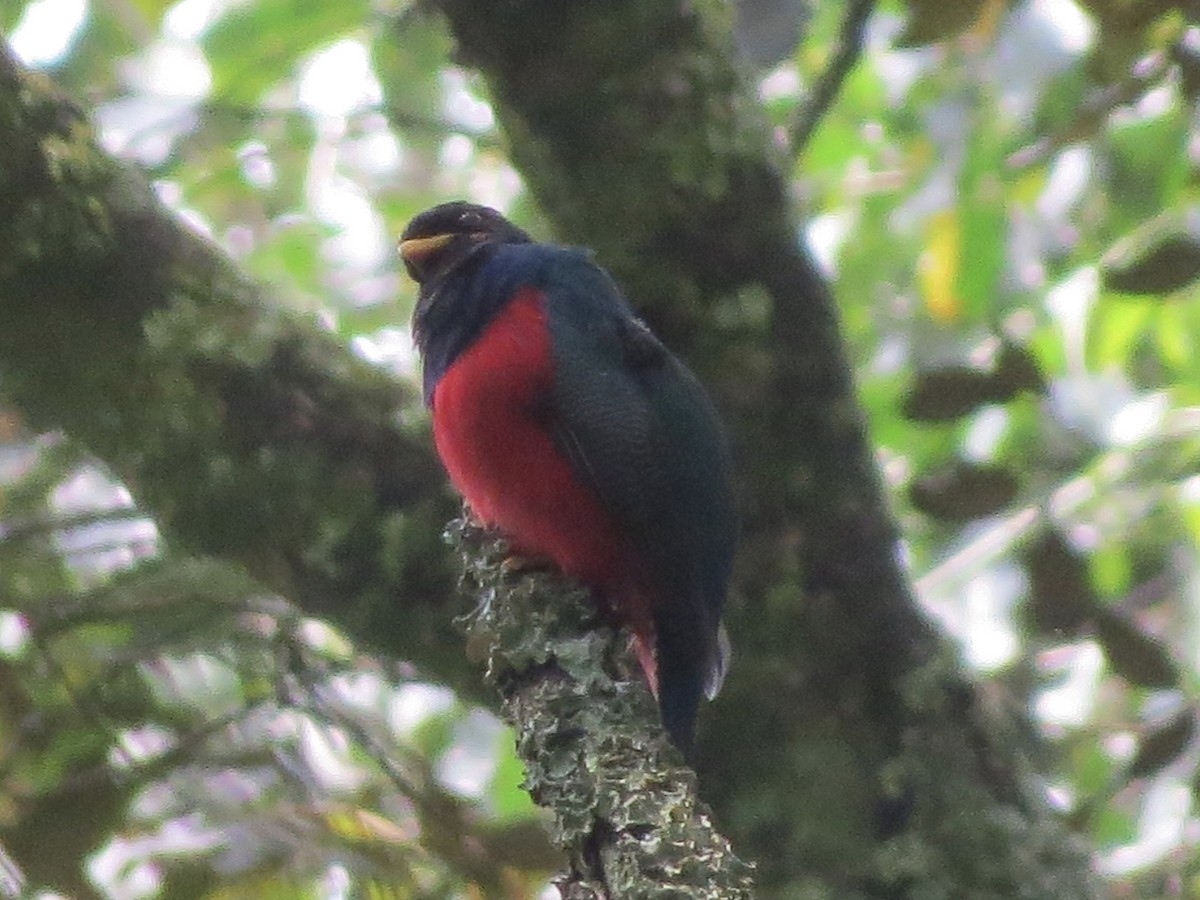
x,y
12,879
41,525
470,850
1094,112
1109,472
821,97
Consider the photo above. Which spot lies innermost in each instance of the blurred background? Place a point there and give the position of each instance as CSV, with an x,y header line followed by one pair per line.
x,y
1003,196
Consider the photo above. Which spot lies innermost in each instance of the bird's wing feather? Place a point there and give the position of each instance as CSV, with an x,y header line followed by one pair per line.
x,y
639,430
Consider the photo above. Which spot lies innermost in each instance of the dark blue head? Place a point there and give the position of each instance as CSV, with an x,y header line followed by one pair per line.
x,y
443,249
441,238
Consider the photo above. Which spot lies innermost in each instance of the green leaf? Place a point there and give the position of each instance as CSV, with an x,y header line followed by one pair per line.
x,y
152,10
1112,826
931,21
1115,329
1162,746
1061,597
983,219
1175,337
508,799
1111,569
10,15
1149,164
435,734
947,393
963,491
255,46
1160,258
1059,105
1133,654
1091,766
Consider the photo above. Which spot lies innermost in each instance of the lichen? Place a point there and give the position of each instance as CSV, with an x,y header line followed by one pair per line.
x,y
625,808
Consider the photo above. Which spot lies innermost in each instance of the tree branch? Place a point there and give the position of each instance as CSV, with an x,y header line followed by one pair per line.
x,y
250,433
825,90
12,879
625,807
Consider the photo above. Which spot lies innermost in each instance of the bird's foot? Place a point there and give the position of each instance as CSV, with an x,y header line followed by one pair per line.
x,y
643,649
516,564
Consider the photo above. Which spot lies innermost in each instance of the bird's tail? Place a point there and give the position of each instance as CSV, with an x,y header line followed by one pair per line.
x,y
691,664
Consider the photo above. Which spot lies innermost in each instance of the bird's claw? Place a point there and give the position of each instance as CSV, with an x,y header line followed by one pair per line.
x,y
514,564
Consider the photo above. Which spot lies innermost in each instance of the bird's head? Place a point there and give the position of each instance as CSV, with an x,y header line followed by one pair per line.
x,y
439,239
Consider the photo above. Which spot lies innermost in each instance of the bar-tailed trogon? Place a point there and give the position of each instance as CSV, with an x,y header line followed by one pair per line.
x,y
571,429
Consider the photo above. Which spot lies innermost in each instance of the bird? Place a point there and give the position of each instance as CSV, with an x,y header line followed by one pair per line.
x,y
570,429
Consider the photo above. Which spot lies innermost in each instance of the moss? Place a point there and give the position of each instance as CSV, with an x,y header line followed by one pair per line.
x,y
50,178
249,432
979,828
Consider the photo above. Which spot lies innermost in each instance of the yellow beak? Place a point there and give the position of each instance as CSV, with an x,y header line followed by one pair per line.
x,y
416,248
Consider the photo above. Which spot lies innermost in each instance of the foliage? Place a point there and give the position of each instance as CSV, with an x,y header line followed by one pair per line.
x,y
1004,199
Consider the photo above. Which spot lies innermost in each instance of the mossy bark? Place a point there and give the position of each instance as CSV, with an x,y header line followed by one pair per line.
x,y
250,433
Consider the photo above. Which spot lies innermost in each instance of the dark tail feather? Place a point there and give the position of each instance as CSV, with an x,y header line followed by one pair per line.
x,y
683,672
679,701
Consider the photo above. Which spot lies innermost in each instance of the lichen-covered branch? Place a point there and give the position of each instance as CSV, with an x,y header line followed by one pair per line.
x,y
247,431
624,804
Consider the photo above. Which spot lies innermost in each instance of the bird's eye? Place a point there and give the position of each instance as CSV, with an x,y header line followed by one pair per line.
x,y
471,218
